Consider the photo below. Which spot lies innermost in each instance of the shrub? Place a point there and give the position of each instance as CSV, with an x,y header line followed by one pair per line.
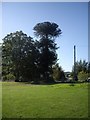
x,y
82,76
9,77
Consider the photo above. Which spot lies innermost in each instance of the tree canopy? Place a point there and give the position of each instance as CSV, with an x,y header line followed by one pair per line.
x,y
47,32
82,70
19,55
27,59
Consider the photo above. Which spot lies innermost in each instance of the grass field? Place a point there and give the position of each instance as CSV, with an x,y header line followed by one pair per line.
x,y
0,100
20,100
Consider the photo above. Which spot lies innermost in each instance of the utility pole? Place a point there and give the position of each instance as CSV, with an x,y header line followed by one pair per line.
x,y
75,74
74,60
0,61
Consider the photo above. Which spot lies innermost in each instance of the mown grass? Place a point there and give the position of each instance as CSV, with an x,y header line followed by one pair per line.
x,y
0,100
22,100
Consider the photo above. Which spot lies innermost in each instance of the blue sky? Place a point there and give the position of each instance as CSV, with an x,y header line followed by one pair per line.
x,y
72,19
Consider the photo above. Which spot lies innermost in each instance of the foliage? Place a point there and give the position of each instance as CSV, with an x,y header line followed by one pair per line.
x,y
47,32
19,56
58,73
9,77
89,74
82,76
82,70
81,66
88,67
47,29
30,60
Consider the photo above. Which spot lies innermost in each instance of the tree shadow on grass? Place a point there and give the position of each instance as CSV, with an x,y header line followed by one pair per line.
x,y
48,83
72,84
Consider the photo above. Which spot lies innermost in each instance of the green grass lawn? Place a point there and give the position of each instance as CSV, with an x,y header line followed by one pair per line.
x,y
20,100
0,100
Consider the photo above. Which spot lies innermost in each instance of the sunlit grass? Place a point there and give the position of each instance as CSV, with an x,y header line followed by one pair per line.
x,y
22,100
0,99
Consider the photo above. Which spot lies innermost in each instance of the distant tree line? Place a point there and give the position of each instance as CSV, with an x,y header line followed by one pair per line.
x,y
26,59
82,70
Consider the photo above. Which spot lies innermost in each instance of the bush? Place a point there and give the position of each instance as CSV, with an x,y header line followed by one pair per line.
x,y
9,77
82,76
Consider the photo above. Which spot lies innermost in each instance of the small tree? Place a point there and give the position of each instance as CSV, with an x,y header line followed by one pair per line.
x,y
58,73
82,76
81,66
